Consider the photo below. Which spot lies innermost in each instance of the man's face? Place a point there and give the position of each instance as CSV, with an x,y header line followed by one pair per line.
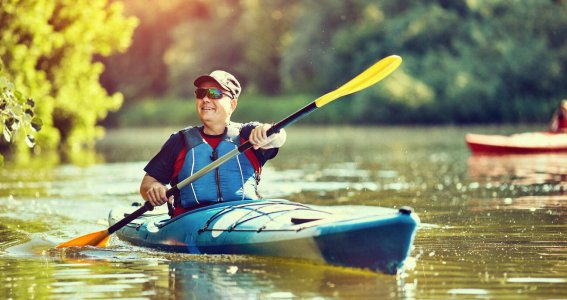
x,y
215,111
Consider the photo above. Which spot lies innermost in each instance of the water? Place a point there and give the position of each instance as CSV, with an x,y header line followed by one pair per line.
x,y
493,227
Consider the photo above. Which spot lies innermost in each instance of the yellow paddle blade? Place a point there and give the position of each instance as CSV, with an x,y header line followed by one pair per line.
x,y
370,76
98,239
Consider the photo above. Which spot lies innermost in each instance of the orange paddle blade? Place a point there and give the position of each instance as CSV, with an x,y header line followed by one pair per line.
x,y
98,239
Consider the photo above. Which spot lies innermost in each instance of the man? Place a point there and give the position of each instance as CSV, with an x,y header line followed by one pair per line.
x,y
559,119
193,148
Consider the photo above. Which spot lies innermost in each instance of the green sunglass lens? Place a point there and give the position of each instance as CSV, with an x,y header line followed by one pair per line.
x,y
215,94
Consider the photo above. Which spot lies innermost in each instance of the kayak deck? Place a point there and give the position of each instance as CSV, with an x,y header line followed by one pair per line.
x,y
356,236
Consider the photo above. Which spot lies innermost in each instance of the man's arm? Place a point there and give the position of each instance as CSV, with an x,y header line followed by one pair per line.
x,y
161,168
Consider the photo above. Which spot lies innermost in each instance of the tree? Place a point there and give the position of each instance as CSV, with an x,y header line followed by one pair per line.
x,y
265,27
308,61
48,48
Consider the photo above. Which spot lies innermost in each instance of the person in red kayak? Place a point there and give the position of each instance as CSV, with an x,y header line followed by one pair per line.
x,y
193,148
559,119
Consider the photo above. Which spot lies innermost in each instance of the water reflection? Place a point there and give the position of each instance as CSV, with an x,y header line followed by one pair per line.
x,y
519,169
278,280
527,182
116,274
556,204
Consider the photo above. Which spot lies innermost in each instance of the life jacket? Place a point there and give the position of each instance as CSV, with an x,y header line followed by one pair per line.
x,y
234,180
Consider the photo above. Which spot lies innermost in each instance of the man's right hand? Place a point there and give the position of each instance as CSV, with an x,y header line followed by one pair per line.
x,y
154,191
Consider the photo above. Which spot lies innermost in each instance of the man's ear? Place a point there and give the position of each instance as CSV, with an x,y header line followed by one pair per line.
x,y
233,104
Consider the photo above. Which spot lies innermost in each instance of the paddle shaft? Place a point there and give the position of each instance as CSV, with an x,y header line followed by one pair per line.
x,y
131,217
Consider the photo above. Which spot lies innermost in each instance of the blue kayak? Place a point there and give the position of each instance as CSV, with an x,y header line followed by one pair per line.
x,y
369,237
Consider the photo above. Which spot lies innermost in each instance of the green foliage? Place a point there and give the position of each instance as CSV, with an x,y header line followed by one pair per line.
x,y
309,61
16,114
48,48
158,112
269,22
205,43
483,61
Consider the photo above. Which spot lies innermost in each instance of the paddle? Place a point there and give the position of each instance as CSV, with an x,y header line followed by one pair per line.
x,y
370,76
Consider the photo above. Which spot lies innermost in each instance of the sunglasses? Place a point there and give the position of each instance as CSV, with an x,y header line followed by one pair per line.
x,y
211,93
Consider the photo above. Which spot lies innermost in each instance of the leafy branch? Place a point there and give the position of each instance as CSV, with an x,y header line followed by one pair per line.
x,y
17,113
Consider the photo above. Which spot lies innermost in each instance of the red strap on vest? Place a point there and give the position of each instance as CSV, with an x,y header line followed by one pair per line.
x,y
179,163
252,157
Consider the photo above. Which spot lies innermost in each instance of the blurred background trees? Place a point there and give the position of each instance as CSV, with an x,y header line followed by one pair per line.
x,y
477,61
465,62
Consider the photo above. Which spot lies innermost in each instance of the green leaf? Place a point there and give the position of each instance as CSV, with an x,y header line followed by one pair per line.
x,y
9,122
15,110
15,125
36,123
30,140
19,96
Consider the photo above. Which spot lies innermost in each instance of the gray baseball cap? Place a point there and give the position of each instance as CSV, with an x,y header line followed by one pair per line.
x,y
226,80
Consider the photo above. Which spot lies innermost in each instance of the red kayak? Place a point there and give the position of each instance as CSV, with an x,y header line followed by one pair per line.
x,y
530,142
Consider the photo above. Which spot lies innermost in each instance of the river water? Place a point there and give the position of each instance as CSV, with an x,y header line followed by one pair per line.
x,y
494,227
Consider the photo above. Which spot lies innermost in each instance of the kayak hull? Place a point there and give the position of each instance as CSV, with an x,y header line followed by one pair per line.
x,y
524,143
375,238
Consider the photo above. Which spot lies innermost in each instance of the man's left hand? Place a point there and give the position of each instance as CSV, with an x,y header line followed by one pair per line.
x,y
260,139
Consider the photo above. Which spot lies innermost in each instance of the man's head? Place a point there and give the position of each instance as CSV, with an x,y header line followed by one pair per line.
x,y
217,95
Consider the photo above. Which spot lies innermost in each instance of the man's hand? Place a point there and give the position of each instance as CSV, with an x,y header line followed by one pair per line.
x,y
260,139
154,191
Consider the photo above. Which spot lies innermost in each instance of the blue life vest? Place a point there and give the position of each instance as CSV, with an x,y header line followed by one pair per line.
x,y
234,180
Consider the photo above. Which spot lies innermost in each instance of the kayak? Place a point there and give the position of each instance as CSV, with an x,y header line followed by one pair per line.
x,y
368,237
529,142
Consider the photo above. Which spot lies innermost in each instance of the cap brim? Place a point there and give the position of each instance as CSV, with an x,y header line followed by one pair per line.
x,y
205,78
